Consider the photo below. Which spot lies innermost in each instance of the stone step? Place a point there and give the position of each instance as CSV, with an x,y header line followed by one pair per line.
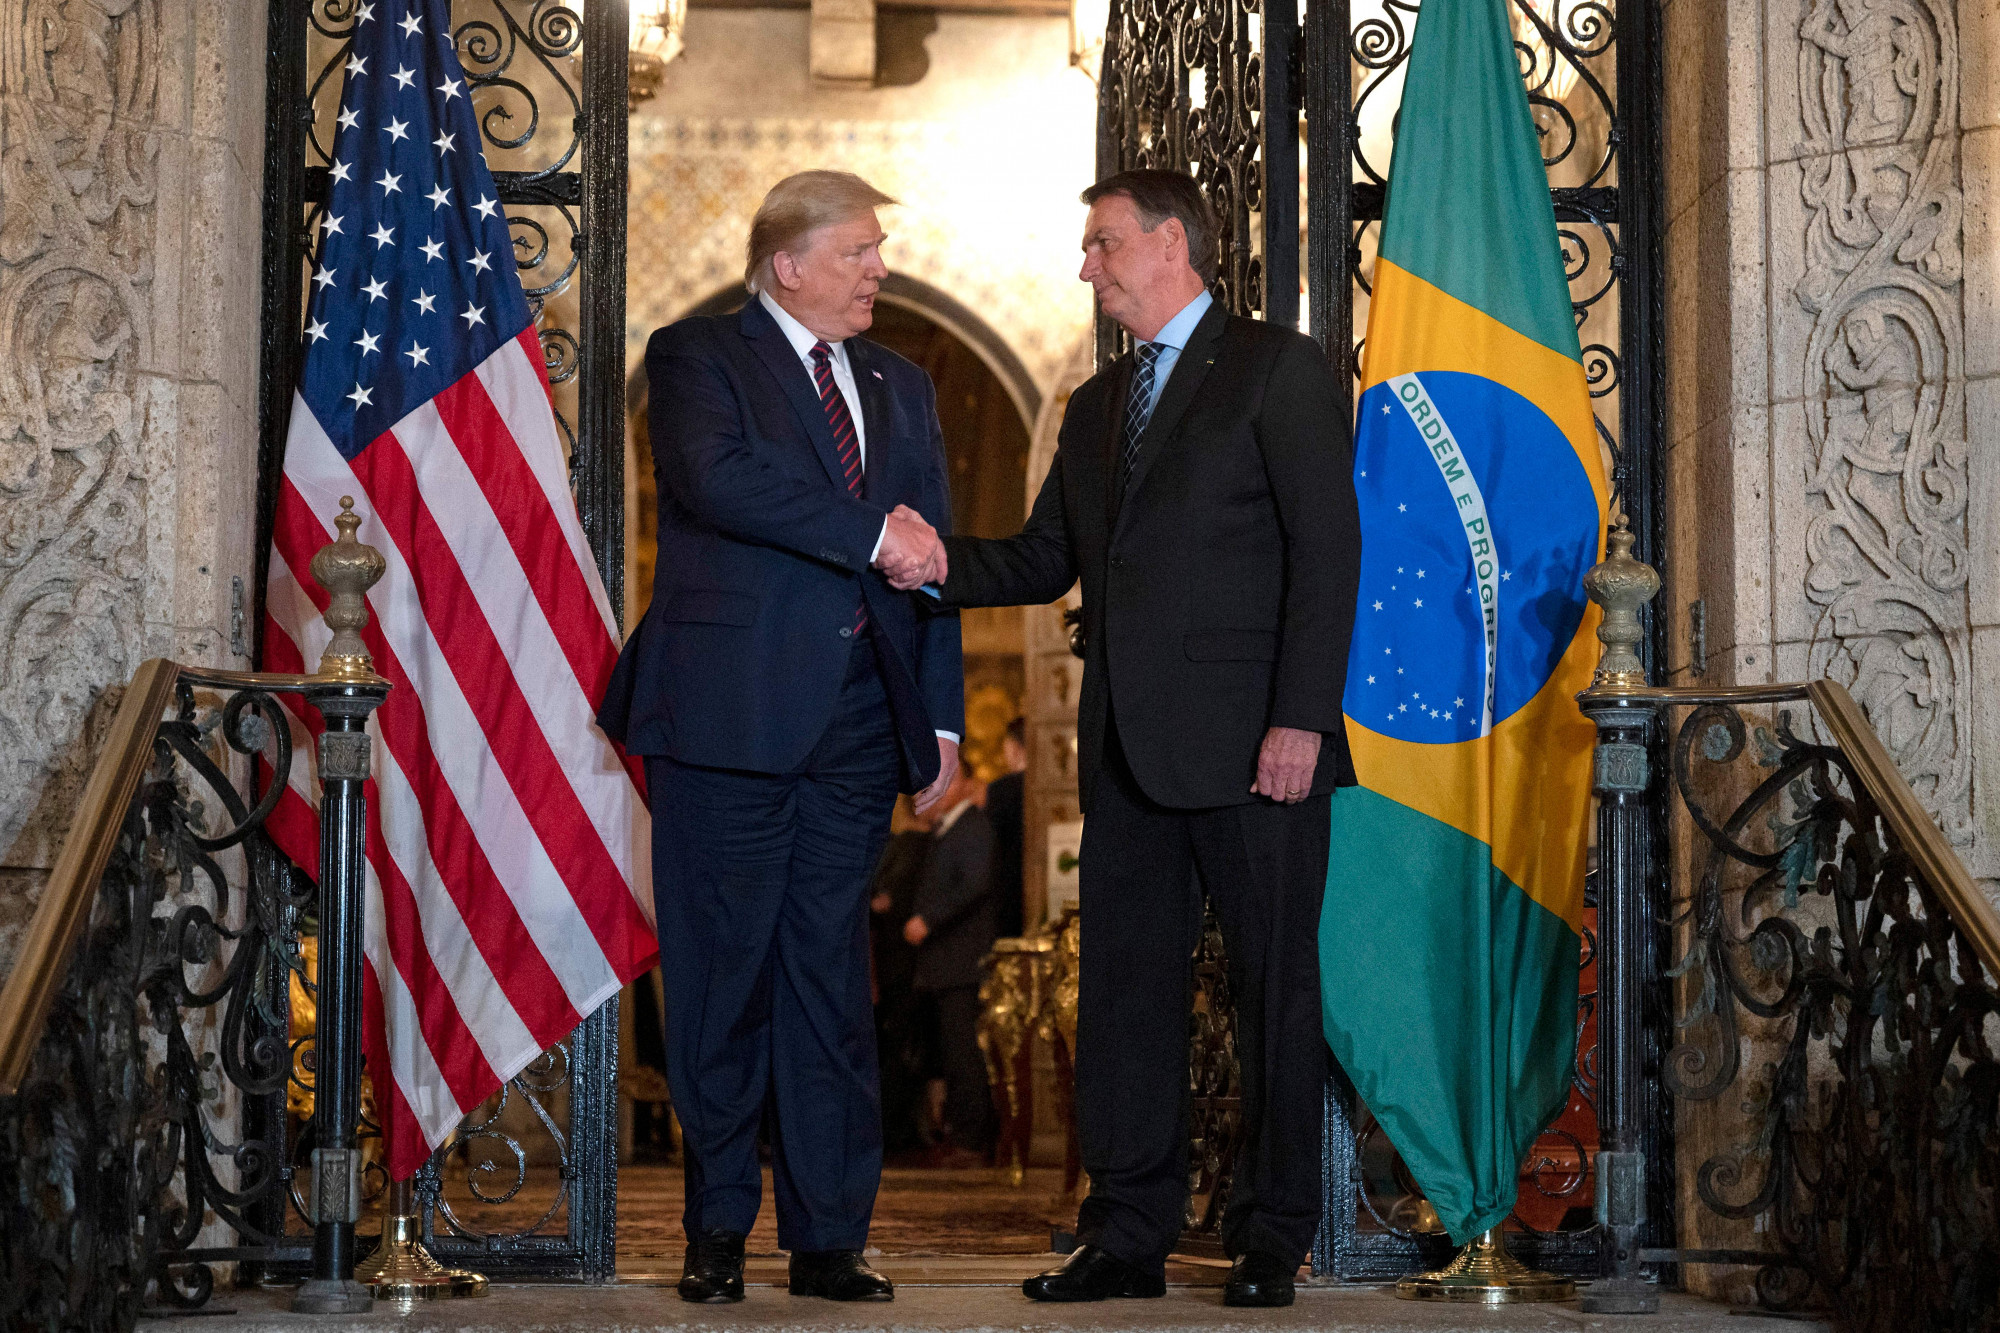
x,y
950,1294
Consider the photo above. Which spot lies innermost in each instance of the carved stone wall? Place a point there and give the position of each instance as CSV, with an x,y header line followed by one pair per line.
x,y
131,137
1834,432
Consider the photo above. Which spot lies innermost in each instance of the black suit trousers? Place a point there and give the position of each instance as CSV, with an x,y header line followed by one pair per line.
x,y
761,883
1144,869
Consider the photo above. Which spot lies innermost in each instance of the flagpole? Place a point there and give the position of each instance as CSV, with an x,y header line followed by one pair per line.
x,y
401,1269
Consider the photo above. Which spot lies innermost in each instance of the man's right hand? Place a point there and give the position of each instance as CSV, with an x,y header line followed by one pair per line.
x,y
911,554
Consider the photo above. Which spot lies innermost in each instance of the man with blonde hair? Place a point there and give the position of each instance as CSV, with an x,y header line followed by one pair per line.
x,y
782,692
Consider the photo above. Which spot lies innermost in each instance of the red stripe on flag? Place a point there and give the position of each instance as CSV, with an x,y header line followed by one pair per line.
x,y
476,658
497,930
454,1048
494,458
401,1130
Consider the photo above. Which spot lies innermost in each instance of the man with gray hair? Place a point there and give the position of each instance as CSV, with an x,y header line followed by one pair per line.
x,y
782,692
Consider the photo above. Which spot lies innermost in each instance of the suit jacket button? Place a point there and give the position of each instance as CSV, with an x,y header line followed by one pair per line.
x,y
847,634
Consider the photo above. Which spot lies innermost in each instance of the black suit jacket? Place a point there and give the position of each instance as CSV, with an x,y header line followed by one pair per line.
x,y
955,899
1218,597
763,555
1006,798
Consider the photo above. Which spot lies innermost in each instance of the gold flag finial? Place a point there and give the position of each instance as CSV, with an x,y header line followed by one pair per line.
x,y
347,569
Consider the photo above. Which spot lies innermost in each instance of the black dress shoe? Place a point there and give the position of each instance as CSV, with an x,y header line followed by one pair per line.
x,y
1259,1279
1090,1274
713,1269
838,1275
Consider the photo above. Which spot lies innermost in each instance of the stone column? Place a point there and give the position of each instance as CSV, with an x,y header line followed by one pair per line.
x,y
1833,342
131,134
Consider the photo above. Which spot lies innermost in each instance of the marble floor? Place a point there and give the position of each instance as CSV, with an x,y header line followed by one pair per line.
x,y
629,1307
917,1212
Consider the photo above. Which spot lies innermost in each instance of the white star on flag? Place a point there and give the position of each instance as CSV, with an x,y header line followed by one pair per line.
x,y
424,302
439,196
375,288
382,236
433,248
480,261
316,330
404,76
390,184
325,277
418,355
349,118
484,207
411,25
397,130
360,397
368,342
473,314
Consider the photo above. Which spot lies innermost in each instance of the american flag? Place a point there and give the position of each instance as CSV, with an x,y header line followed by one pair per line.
x,y
508,891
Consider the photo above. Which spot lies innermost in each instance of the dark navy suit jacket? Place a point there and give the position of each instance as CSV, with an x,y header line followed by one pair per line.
x,y
763,556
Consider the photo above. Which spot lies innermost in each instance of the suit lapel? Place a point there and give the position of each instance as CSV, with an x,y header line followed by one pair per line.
x,y
1119,389
775,350
1190,370
874,420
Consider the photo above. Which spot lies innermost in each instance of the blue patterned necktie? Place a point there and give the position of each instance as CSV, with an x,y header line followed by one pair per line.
x,y
1138,409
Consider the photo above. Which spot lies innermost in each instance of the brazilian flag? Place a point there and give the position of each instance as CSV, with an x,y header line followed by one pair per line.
x,y
1451,934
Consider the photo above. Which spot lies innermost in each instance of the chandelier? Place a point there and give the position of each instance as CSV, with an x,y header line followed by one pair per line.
x,y
656,40
653,43
1088,20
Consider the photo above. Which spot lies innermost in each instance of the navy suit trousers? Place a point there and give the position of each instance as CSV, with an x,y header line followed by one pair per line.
x,y
761,881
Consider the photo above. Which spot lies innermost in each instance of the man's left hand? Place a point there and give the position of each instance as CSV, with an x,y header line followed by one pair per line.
x,y
947,770
1285,764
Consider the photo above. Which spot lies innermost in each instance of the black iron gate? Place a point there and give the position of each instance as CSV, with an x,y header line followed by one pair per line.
x,y
1219,88
529,1185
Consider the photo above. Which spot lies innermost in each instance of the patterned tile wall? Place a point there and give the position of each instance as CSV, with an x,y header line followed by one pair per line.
x,y
990,216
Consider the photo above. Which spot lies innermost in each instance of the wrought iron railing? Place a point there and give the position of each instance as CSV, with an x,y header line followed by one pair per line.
x,y
147,1047
1832,983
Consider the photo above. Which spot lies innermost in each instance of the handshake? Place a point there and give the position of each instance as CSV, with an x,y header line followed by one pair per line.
x,y
911,553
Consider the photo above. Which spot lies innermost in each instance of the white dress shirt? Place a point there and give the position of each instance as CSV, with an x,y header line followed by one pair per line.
x,y
803,340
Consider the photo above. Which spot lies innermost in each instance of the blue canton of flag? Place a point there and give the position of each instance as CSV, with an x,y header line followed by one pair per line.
x,y
415,283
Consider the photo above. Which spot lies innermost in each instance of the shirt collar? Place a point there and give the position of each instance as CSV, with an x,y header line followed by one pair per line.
x,y
798,335
951,817
1177,330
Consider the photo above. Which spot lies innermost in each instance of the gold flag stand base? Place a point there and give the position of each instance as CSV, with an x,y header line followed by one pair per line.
x,y
401,1269
1486,1274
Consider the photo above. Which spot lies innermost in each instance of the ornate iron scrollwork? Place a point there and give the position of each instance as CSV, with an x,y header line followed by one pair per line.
x,y
144,1127
1868,1146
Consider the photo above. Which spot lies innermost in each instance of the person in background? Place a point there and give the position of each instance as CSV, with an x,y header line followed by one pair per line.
x,y
1005,809
952,928
899,1032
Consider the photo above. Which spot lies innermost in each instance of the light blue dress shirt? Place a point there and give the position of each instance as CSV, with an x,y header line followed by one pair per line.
x,y
1171,339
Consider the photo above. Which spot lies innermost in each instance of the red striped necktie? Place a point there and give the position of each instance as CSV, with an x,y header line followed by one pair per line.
x,y
846,441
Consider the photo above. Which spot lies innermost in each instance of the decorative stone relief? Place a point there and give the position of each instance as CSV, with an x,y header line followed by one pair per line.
x,y
1884,380
77,185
